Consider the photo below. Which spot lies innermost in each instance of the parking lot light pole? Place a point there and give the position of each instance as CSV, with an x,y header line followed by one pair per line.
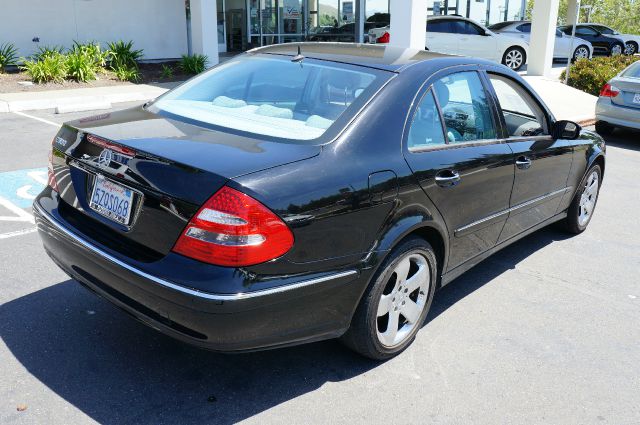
x,y
573,39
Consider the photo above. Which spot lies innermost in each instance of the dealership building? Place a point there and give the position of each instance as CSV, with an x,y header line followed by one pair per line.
x,y
166,29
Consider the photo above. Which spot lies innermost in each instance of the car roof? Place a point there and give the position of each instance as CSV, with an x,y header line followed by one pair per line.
x,y
384,57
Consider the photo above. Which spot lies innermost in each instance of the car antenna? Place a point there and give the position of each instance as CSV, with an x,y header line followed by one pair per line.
x,y
299,57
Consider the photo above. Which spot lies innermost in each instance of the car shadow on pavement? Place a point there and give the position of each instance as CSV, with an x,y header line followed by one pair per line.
x,y
117,370
624,138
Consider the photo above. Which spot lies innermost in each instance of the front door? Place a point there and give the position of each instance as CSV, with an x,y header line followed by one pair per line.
x,y
473,42
468,175
541,164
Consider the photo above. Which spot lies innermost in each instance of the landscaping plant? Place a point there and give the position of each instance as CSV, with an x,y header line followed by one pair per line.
x,y
8,56
81,66
51,68
167,72
127,73
193,64
122,55
589,75
44,51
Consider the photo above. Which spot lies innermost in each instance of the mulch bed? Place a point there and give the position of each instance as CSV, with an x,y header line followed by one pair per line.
x,y
151,73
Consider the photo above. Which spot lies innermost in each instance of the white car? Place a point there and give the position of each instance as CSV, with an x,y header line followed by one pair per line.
x,y
460,36
631,41
563,47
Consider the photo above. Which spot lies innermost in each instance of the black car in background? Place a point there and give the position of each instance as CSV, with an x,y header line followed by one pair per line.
x,y
301,192
344,33
603,44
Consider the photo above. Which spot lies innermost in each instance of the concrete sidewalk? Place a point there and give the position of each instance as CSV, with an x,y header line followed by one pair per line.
x,y
78,100
565,102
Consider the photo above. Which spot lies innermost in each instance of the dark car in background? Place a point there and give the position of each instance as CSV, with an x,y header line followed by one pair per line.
x,y
301,192
344,33
603,44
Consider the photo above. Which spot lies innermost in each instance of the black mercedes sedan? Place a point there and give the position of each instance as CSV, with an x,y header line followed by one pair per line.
x,y
603,44
309,191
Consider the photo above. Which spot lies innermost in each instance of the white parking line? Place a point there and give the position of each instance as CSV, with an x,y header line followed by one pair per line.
x,y
22,114
17,233
20,214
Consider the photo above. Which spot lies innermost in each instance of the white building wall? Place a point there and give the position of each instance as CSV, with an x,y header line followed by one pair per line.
x,y
157,26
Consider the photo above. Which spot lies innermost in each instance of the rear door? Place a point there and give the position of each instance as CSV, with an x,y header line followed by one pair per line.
x,y
441,36
542,163
451,146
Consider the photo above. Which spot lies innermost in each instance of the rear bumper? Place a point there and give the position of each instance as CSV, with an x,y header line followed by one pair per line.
x,y
617,115
311,308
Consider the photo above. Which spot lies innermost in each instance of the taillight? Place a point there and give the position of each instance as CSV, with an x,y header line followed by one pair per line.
x,y
233,229
51,175
609,91
384,38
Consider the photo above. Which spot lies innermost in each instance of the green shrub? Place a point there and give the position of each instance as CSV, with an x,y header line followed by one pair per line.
x,y
45,51
52,68
121,55
127,73
81,66
8,55
167,72
92,51
589,75
194,64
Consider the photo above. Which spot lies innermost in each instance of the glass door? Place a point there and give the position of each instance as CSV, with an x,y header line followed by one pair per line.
x,y
276,21
222,42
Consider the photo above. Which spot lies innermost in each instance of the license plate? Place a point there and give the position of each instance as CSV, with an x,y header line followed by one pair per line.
x,y
636,98
111,200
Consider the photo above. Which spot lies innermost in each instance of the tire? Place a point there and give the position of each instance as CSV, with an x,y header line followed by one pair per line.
x,y
369,333
584,202
581,52
616,49
603,128
514,58
630,48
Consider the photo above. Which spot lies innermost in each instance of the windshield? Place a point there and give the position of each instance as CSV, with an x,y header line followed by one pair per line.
x,y
633,71
274,97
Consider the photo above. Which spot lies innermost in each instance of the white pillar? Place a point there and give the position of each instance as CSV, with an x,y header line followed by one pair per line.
x,y
543,34
204,29
572,12
408,23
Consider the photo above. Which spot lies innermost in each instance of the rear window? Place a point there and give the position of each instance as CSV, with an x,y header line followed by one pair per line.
x,y
633,71
273,97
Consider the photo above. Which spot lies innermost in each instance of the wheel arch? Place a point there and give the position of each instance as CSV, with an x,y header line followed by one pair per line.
x,y
422,226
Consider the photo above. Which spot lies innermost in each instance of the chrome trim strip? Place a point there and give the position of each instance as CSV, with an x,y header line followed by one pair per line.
x,y
188,291
510,210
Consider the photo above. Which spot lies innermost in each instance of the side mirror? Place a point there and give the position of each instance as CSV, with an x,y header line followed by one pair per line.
x,y
566,130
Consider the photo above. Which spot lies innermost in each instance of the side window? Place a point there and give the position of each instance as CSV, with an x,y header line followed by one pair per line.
x,y
521,113
439,26
426,127
465,108
472,29
524,28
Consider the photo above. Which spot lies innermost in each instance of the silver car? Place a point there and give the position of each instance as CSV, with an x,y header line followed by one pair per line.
x,y
619,101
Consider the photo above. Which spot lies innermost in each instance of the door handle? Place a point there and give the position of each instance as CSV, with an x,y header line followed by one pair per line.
x,y
523,162
447,178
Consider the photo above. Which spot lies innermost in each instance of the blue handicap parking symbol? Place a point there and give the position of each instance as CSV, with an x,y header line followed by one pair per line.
x,y
22,186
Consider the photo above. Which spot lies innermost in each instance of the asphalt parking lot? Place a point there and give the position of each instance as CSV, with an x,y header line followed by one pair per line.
x,y
546,331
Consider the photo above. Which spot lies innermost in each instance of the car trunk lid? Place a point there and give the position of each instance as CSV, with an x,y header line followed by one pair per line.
x,y
629,92
166,168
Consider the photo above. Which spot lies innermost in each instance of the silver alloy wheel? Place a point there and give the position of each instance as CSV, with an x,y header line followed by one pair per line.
x,y
616,50
581,53
588,199
513,58
629,49
400,309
